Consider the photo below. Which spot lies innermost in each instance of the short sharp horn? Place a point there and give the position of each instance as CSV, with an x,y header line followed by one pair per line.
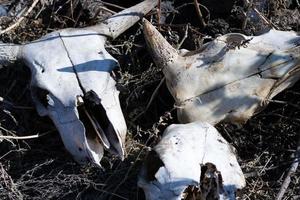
x,y
120,22
9,53
162,52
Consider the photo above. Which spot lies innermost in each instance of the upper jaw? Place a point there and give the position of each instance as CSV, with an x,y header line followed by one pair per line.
x,y
105,119
90,128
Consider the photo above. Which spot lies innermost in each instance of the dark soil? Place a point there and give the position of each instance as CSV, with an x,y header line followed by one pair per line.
x,y
42,169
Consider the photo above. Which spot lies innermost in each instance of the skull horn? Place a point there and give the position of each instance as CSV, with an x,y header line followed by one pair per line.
x,y
9,53
120,22
162,52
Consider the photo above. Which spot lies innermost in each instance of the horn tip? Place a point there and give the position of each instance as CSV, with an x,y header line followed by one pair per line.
x,y
148,28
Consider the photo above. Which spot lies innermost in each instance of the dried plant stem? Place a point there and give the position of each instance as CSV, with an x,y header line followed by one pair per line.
x,y
155,93
21,18
262,17
2,100
203,24
113,5
25,137
184,37
265,19
298,4
106,9
291,171
159,14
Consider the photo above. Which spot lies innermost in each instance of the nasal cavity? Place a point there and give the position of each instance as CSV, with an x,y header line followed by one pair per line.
x,y
93,105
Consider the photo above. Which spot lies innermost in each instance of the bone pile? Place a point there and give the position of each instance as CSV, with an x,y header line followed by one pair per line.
x,y
230,79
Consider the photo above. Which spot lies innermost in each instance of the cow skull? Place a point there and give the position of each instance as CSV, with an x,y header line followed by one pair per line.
x,y
230,78
180,159
72,83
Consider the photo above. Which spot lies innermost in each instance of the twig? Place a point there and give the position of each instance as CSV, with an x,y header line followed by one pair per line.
x,y
112,5
283,102
131,149
298,4
245,17
262,17
151,98
184,37
291,171
2,100
107,10
187,4
127,173
12,151
203,24
9,183
159,14
20,19
155,93
267,21
25,137
94,18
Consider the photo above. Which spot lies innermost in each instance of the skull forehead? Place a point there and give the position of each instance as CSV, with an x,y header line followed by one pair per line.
x,y
80,39
217,65
184,148
69,61
94,65
45,58
80,47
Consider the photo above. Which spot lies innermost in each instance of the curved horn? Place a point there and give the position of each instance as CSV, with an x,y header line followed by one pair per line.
x,y
162,52
120,22
9,53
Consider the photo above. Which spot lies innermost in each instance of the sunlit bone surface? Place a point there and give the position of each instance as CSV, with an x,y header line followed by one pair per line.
x,y
230,78
72,83
181,156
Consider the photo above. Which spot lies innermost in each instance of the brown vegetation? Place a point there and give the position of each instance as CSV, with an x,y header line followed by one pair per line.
x,y
40,168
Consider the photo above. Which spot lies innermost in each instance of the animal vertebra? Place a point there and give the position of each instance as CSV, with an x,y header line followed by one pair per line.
x,y
72,83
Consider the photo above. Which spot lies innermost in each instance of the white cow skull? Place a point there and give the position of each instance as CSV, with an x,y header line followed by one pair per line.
x,y
230,78
177,160
71,83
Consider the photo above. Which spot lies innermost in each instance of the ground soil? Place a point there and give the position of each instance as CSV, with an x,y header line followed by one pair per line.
x,y
42,169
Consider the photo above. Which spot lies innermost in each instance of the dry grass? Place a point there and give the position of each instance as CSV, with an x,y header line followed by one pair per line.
x,y
42,169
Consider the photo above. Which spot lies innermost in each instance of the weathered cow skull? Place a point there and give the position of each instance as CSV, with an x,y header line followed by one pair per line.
x,y
180,159
230,78
72,83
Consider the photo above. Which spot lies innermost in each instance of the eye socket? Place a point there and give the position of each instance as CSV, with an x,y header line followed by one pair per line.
x,y
41,95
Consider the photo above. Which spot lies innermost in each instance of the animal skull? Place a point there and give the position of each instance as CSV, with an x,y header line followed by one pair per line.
x,y
179,160
72,83
230,78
